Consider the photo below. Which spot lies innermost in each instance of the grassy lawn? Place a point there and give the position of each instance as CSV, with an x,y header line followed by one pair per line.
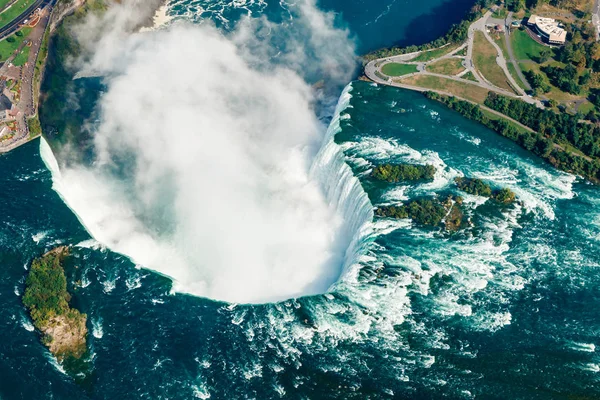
x,y
35,128
484,58
465,90
447,66
462,52
14,11
554,93
585,108
3,3
8,45
525,47
469,76
22,57
397,69
501,42
436,53
500,13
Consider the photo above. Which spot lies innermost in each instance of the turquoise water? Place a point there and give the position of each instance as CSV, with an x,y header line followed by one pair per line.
x,y
505,309
373,23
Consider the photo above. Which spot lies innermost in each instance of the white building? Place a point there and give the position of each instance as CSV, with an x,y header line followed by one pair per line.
x,y
549,29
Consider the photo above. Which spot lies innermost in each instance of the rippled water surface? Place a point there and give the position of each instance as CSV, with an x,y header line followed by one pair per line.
x,y
507,308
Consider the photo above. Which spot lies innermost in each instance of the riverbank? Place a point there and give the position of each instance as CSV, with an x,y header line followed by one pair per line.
x,y
467,71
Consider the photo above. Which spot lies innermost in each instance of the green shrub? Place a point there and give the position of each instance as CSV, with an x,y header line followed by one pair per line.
x,y
403,172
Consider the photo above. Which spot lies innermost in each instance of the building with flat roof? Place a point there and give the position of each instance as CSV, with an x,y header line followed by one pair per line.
x,y
549,29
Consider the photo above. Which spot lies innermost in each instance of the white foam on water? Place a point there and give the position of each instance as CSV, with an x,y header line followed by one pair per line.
x,y
26,323
201,392
39,236
97,329
585,347
396,194
109,285
90,244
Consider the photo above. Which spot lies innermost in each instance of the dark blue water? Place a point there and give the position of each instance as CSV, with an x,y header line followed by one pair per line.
x,y
507,309
373,23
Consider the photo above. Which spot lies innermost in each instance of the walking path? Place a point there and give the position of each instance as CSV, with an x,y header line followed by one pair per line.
x,y
596,18
373,69
511,53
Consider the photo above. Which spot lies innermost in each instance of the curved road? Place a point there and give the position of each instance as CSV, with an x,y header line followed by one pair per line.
x,y
13,26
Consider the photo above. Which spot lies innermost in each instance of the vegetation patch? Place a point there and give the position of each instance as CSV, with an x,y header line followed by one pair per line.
x,y
403,172
447,66
437,53
429,212
35,128
484,58
465,90
550,145
14,11
469,76
9,45
397,69
477,187
525,48
22,57
47,299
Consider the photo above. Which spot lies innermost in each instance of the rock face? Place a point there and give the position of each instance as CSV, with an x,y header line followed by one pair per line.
x,y
47,299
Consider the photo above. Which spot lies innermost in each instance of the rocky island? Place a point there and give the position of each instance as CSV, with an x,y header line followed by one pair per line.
x,y
479,188
394,173
428,211
47,300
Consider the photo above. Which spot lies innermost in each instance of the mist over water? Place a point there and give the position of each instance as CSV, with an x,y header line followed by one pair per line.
x,y
203,152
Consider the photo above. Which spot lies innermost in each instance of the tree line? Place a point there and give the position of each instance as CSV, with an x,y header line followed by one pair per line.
x,y
546,142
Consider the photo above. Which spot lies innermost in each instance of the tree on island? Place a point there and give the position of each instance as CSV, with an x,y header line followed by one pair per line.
x,y
394,173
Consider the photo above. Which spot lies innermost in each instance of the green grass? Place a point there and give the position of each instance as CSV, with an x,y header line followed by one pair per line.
x,y
501,13
524,47
585,108
35,128
14,11
8,47
22,57
436,53
511,68
447,66
462,52
469,76
484,58
397,69
3,3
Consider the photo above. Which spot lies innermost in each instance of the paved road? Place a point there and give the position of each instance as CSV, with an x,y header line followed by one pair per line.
x,y
13,26
500,60
26,106
373,68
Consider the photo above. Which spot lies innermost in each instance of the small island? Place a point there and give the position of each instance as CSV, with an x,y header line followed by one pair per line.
x,y
394,173
429,212
47,299
477,187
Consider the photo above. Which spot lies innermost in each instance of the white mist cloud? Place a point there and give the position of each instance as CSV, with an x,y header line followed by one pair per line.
x,y
213,137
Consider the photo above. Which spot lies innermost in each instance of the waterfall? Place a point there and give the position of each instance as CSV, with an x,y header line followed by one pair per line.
x,y
343,189
94,200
